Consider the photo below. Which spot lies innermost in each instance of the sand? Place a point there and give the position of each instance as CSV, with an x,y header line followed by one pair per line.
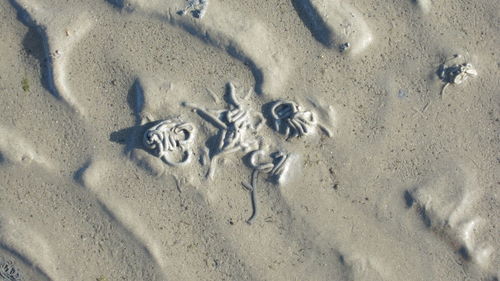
x,y
377,175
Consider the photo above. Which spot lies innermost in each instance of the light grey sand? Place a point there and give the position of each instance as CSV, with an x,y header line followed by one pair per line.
x,y
406,188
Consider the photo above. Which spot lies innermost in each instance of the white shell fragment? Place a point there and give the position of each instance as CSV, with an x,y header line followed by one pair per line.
x,y
198,8
171,140
289,118
456,73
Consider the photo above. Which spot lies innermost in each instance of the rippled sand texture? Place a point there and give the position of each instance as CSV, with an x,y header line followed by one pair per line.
x,y
404,188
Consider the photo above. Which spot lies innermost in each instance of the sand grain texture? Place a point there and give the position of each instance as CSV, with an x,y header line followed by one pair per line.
x,y
391,181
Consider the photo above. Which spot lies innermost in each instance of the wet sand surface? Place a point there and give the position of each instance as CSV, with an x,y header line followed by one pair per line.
x,y
254,140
